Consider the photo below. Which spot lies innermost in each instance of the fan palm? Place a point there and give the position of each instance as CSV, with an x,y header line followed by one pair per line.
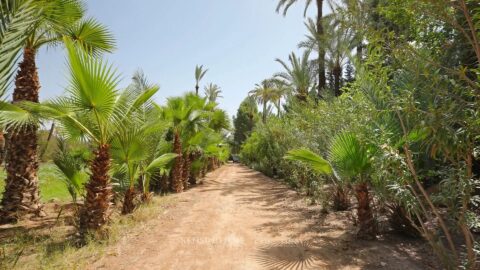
x,y
183,116
212,92
57,19
350,161
18,18
93,111
286,4
199,74
299,75
263,93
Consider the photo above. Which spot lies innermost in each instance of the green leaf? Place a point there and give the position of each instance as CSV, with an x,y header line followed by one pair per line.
x,y
311,159
161,161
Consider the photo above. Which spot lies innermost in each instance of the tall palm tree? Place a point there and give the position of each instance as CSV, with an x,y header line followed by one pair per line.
x,y
299,75
337,41
57,19
286,4
199,74
18,19
213,92
263,94
280,91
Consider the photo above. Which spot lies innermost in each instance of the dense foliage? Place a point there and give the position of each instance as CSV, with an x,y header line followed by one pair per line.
x,y
398,128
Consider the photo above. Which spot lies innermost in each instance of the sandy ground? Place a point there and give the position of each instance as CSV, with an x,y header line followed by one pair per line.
x,y
240,219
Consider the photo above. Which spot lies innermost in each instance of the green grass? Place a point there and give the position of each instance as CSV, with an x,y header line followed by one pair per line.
x,y
50,186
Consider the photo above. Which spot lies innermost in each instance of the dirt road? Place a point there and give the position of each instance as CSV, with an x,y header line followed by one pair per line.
x,y
240,219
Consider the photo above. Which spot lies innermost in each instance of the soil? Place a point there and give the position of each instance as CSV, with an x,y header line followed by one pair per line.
x,y
241,219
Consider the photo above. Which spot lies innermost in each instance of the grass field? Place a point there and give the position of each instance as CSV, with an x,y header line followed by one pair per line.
x,y
50,186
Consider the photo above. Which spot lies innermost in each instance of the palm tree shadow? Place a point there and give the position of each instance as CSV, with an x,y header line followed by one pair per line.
x,y
287,255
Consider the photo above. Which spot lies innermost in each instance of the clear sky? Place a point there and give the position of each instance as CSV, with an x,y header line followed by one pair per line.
x,y
237,40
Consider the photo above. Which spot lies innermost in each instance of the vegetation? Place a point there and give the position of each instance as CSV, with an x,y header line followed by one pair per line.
x,y
384,121
397,129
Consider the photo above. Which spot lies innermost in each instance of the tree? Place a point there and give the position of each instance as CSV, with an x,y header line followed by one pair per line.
x,y
212,92
57,19
298,76
336,41
199,74
263,93
351,161
95,111
286,4
244,121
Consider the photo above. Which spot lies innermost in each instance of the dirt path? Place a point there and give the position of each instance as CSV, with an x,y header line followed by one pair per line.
x,y
240,219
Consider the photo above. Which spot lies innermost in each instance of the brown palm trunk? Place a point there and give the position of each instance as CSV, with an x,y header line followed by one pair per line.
x,y
2,147
321,52
96,209
22,196
187,164
367,226
128,205
177,182
193,175
164,183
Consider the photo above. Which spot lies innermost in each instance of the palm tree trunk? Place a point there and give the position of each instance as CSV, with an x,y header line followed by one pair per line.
x,y
128,205
96,209
193,176
367,227
187,162
264,115
22,196
321,51
2,147
177,182
196,89
337,74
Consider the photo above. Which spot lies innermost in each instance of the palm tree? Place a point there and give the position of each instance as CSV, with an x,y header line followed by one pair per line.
x,y
212,92
199,74
351,161
183,116
18,18
93,111
263,93
286,4
280,91
57,19
298,76
337,42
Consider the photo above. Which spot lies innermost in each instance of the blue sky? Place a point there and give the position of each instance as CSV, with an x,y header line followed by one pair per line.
x,y
237,41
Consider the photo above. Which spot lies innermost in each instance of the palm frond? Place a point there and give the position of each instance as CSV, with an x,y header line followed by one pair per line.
x,y
314,161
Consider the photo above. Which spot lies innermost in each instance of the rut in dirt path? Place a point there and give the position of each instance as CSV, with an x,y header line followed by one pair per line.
x,y
240,219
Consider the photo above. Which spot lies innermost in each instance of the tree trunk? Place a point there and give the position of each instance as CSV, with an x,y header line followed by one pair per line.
x,y
21,195
2,147
337,74
360,53
367,227
264,115
164,183
341,201
193,176
177,181
321,51
128,205
50,134
187,162
96,209
196,89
